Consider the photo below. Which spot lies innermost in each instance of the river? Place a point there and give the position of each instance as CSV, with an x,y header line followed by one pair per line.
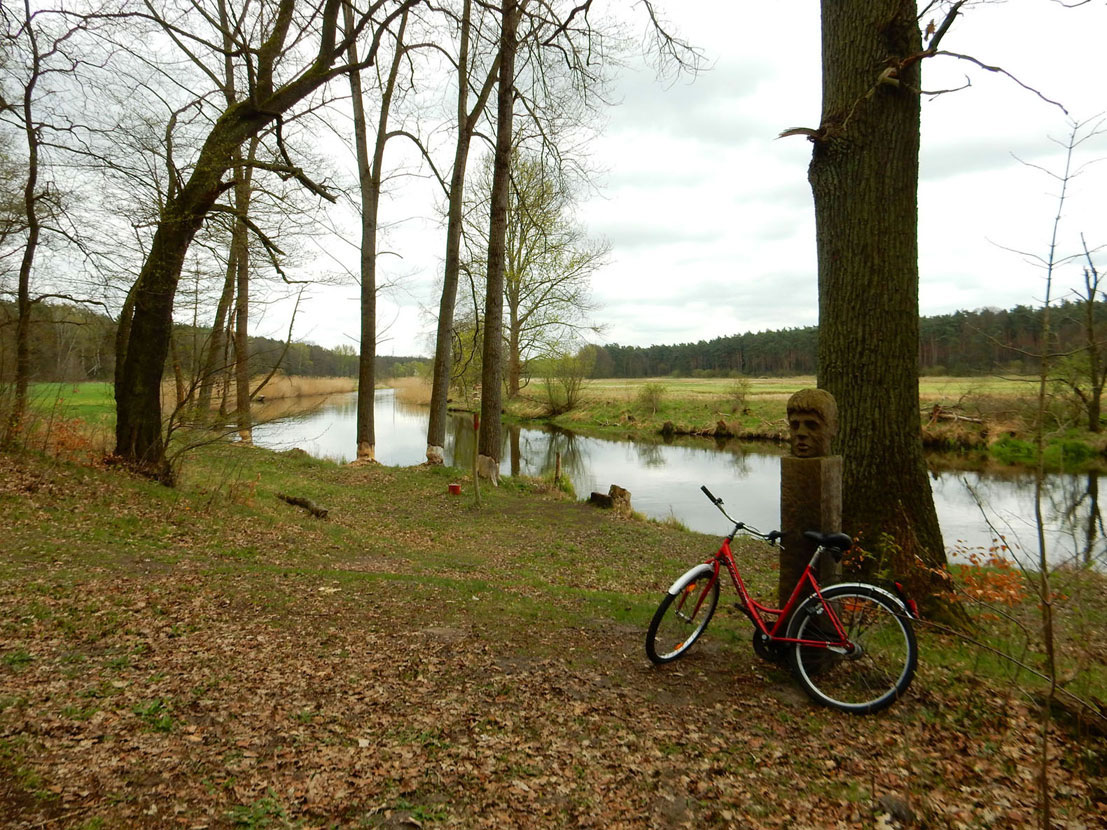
x,y
664,478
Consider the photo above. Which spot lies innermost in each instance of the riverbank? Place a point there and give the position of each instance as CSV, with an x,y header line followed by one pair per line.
x,y
980,417
212,655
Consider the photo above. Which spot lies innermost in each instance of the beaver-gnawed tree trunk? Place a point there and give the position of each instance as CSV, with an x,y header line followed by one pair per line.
x,y
489,442
864,177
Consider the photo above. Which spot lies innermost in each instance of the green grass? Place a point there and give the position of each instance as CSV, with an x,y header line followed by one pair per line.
x,y
92,402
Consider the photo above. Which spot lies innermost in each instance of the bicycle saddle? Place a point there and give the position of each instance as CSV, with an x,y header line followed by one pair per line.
x,y
840,542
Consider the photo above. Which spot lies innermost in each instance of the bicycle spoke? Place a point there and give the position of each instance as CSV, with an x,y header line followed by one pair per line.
x,y
882,659
681,618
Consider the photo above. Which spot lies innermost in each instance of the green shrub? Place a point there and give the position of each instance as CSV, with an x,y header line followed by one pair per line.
x,y
737,393
1013,451
650,395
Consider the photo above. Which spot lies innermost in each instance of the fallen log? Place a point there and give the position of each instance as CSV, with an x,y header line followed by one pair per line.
x,y
940,413
308,505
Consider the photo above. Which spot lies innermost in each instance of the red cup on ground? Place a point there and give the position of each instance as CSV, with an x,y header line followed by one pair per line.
x,y
455,489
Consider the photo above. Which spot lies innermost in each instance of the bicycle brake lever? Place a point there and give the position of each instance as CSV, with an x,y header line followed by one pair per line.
x,y
773,536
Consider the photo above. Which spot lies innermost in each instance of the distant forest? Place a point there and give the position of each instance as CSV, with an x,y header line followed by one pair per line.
x,y
75,343
963,343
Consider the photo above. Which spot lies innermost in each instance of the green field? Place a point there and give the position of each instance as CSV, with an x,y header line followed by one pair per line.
x,y
990,417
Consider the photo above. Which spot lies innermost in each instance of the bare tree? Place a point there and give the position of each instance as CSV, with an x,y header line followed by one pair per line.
x,y
467,119
489,441
1085,372
559,47
43,48
549,264
289,52
371,178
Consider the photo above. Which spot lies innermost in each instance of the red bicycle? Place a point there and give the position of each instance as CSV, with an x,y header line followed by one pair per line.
x,y
851,645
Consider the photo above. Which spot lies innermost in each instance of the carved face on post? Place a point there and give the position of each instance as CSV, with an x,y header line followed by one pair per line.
x,y
812,422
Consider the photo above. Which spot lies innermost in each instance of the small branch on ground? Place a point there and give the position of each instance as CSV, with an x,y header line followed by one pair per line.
x,y
308,505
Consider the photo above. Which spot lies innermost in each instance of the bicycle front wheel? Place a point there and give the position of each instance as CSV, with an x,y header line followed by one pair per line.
x,y
880,661
682,616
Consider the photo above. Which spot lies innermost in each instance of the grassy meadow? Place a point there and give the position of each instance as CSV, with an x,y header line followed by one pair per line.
x,y
986,419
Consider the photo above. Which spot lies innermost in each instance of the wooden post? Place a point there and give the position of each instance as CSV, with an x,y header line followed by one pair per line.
x,y
810,499
810,488
557,468
476,478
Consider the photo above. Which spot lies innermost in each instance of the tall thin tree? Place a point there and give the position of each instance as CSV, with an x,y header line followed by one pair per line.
x,y
489,441
370,179
467,120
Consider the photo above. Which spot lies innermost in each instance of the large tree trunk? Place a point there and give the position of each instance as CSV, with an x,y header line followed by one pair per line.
x,y
864,177
138,429
492,370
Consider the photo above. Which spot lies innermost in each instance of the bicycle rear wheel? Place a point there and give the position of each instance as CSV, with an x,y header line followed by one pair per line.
x,y
682,616
883,655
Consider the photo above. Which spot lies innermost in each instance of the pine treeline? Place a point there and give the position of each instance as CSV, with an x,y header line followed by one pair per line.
x,y
77,343
72,343
962,343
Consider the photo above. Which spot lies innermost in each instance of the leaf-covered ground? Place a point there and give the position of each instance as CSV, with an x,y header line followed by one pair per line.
x,y
212,657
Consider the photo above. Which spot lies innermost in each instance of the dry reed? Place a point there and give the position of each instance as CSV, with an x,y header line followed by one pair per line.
x,y
279,387
412,390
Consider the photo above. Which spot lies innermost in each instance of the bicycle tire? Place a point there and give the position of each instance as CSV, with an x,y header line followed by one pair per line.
x,y
878,672
682,617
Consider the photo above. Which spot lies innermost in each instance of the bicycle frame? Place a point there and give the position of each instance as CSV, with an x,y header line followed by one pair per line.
x,y
757,612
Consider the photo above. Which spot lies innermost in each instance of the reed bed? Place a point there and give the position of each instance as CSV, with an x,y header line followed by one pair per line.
x,y
279,387
412,390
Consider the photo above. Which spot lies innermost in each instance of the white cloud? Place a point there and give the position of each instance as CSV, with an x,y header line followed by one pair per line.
x,y
710,216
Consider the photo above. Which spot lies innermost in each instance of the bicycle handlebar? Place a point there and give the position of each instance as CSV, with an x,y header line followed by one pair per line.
x,y
771,537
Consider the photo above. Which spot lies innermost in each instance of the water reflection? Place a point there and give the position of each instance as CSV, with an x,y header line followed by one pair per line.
x,y
664,477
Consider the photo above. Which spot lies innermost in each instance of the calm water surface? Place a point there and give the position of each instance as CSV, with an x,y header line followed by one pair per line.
x,y
664,479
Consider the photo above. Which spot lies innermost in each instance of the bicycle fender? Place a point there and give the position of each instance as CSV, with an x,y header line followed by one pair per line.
x,y
705,569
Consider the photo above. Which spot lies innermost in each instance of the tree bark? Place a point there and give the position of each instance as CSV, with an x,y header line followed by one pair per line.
x,y
489,442
864,178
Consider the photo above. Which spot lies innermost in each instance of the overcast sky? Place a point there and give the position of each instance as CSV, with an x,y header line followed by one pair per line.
x,y
709,214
